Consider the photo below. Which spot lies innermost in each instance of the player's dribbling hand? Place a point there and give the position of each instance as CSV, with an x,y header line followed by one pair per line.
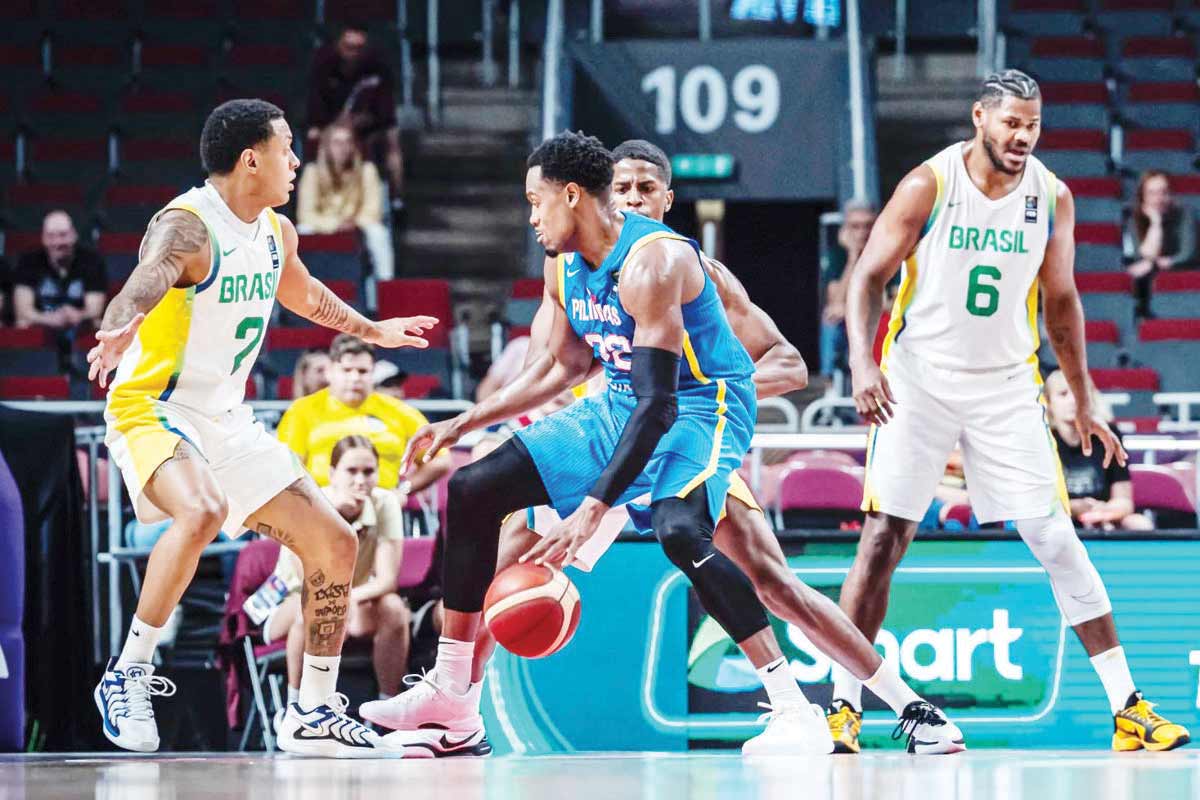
x,y
110,346
401,332
1089,425
559,546
872,395
428,441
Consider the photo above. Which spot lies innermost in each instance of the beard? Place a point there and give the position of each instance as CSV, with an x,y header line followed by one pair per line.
x,y
989,147
551,253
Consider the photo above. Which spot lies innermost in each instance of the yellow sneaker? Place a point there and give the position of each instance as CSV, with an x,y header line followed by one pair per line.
x,y
844,725
1137,726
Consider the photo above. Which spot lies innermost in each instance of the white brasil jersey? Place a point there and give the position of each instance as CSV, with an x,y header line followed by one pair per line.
x,y
968,295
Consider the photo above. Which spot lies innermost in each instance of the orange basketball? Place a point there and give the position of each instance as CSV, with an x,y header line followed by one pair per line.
x,y
532,610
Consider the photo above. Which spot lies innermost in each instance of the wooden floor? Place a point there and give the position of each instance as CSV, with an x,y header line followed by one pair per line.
x,y
976,775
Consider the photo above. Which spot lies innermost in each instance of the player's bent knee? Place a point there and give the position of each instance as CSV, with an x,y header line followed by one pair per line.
x,y
202,516
393,609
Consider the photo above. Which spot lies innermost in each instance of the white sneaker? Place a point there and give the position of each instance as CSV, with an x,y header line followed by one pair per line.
x,y
431,721
327,731
930,731
123,699
791,730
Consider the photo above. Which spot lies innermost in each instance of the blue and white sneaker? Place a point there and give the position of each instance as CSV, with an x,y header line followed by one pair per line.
x,y
327,731
123,699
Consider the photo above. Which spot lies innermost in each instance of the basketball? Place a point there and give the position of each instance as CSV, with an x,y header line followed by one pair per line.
x,y
532,610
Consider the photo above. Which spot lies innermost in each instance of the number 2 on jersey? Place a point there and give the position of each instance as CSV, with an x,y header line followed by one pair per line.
x,y
247,326
983,298
614,348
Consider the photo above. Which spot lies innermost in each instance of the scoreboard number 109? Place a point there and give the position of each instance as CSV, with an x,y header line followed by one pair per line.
x,y
702,98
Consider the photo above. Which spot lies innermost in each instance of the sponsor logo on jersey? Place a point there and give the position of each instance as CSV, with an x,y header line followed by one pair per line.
x,y
273,249
983,239
1031,208
591,310
245,288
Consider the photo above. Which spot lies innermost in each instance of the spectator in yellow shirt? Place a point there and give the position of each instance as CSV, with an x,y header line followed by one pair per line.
x,y
350,406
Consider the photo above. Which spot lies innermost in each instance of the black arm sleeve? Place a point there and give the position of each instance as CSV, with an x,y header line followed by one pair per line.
x,y
655,377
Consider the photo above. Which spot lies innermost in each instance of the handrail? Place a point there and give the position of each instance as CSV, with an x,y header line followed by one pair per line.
x,y
514,44
488,54
406,65
858,147
551,49
985,31
434,90
704,23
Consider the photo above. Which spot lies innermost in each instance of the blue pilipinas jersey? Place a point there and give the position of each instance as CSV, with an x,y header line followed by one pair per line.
x,y
591,299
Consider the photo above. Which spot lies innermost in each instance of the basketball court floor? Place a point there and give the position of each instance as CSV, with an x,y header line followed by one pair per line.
x,y
976,775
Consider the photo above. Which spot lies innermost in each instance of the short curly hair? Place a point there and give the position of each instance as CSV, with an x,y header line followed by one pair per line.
x,y
231,128
574,158
641,150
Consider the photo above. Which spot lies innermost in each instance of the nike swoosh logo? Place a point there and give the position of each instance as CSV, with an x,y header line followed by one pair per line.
x,y
322,669
573,274
135,633
777,666
450,745
951,205
700,563
227,252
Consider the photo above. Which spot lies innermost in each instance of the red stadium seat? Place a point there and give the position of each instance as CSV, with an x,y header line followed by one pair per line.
x,y
172,55
328,243
1159,330
418,558
960,513
1137,5
417,387
408,298
346,290
141,102
1027,6
87,56
19,55
1185,184
46,194
1177,281
48,150
821,489
1101,330
1106,282
261,55
106,10
1140,379
283,387
1098,233
1158,47
23,338
281,338
822,458
1067,47
1096,187
43,387
1075,92
1166,92
16,242
1129,425
527,289
120,243
139,195
61,102
1074,139
168,150
273,10
1158,140
1158,486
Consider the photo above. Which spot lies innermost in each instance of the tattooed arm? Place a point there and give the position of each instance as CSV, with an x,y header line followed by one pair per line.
x,y
1063,313
174,253
303,294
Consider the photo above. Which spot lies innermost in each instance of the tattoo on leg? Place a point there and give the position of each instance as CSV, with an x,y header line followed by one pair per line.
x,y
278,534
325,637
317,578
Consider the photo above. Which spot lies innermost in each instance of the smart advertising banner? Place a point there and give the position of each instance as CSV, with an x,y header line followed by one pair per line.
x,y
972,625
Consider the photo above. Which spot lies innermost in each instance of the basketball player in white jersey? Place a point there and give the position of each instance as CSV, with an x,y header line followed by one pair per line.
x,y
183,335
979,227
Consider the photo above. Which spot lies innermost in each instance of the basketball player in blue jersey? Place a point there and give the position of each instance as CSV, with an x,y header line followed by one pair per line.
x,y
979,228
634,296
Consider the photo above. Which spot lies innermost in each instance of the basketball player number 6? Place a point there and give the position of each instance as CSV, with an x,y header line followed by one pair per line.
x,y
247,326
983,298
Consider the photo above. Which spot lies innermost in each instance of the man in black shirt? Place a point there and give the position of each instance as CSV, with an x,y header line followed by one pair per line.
x,y
59,285
350,81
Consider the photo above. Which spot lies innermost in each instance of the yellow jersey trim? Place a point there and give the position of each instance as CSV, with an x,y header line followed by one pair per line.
x,y
938,201
904,298
650,238
714,455
560,262
693,361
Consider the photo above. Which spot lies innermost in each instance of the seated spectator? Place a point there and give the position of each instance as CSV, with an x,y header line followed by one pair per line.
x,y
351,82
389,379
1101,497
311,373
340,192
350,406
1159,235
60,285
857,220
376,611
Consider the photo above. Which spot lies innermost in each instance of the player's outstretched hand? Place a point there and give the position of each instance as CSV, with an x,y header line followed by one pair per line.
x,y
428,441
110,346
401,332
1089,425
559,546
872,395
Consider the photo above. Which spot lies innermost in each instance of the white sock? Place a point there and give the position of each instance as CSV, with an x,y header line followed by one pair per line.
x,y
384,696
847,687
454,664
1114,673
887,685
293,695
781,686
139,644
318,680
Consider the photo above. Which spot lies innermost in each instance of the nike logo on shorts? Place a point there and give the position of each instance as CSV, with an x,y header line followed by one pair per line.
x,y
322,669
700,563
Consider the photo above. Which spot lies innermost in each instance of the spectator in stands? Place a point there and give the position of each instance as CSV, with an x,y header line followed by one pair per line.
x,y
376,611
311,373
60,285
1101,497
389,379
350,82
350,406
341,192
858,218
504,369
1159,235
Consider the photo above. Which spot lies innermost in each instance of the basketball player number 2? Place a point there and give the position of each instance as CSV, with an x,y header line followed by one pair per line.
x,y
983,298
247,326
612,348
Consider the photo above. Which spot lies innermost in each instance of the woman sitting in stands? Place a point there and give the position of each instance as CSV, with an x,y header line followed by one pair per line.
x,y
340,192
376,611
1160,235
311,373
1101,497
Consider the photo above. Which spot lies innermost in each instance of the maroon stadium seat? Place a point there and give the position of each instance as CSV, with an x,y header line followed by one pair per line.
x,y
42,387
409,298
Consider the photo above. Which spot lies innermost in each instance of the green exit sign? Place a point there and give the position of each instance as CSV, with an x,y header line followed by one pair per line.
x,y
703,166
